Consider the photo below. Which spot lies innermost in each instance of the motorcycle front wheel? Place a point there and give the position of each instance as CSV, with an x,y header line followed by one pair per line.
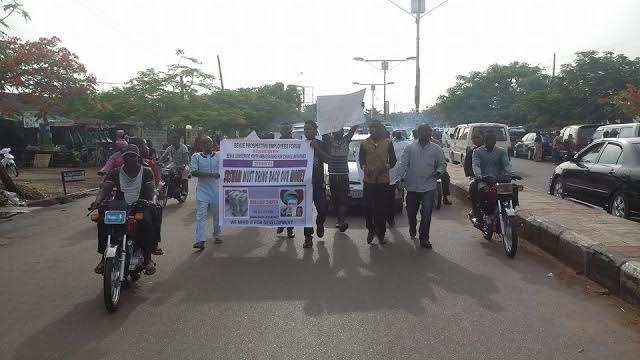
x,y
510,236
111,284
163,195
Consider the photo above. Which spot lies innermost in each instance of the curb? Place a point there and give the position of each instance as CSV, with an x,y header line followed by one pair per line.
x,y
619,274
64,199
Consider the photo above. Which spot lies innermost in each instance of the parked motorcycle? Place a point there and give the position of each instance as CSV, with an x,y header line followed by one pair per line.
x,y
171,186
7,161
123,257
497,210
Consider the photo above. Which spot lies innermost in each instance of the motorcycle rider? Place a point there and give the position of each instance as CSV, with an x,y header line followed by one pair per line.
x,y
179,154
132,182
489,160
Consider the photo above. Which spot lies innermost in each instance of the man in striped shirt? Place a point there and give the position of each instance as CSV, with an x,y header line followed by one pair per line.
x,y
338,149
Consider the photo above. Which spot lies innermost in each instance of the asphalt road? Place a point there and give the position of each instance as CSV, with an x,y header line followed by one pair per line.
x,y
535,174
258,296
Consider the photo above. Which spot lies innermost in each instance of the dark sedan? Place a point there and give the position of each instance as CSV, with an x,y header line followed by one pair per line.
x,y
605,174
525,146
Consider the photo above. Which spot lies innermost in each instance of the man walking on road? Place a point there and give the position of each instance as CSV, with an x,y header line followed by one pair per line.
x,y
319,192
422,163
376,156
285,133
338,149
205,166
555,150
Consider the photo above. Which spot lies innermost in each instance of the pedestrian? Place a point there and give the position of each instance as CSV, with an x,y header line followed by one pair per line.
x,y
337,145
537,147
319,188
285,133
421,165
445,180
556,147
569,146
205,166
153,154
478,141
178,154
376,157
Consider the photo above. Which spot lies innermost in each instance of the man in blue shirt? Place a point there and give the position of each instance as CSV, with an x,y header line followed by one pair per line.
x,y
205,166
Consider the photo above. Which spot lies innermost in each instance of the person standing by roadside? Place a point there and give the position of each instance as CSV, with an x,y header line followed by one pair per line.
x,y
285,133
555,149
338,149
537,147
205,166
376,156
319,192
422,163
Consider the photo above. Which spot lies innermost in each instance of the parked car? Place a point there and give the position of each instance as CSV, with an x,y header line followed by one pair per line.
x,y
525,146
460,140
516,133
582,135
617,131
355,176
605,174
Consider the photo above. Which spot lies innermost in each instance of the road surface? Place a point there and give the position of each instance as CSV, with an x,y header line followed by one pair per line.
x,y
535,174
261,296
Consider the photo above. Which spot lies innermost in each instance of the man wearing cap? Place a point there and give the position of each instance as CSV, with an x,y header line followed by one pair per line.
x,y
205,166
132,181
120,146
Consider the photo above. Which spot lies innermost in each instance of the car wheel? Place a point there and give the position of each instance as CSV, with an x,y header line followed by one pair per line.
x,y
558,188
619,206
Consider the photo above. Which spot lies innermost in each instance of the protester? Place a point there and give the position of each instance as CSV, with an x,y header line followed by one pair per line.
x,y
537,147
120,146
198,146
179,154
397,136
205,166
319,192
338,149
285,133
376,157
422,163
153,154
132,182
556,147
478,141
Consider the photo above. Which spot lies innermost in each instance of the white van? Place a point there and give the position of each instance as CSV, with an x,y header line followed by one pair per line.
x,y
617,131
460,139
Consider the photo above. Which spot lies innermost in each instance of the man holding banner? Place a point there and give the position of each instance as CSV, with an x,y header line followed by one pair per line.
x,y
319,192
285,133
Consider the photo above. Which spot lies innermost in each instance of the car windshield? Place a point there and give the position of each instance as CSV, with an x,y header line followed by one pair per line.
x,y
586,133
517,132
354,150
501,135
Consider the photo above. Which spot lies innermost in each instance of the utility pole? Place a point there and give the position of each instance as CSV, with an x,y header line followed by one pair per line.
x,y
220,72
553,73
385,67
373,95
417,91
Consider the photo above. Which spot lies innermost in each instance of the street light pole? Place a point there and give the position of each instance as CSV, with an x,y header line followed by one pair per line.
x,y
385,67
417,89
373,93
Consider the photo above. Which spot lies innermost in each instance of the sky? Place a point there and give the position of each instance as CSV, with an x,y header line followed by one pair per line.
x,y
313,42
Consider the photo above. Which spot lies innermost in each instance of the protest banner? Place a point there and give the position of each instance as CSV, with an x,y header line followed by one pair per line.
x,y
266,183
337,111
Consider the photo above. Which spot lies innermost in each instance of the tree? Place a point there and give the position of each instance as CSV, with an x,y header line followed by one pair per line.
x,y
45,70
628,101
9,8
494,95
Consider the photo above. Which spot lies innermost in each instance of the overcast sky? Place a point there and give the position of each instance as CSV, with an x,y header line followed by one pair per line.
x,y
313,42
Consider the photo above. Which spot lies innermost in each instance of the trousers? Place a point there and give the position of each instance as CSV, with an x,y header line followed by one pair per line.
x,y
376,206
422,201
202,209
320,201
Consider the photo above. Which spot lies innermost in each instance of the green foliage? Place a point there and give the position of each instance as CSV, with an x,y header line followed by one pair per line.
x,y
9,8
519,94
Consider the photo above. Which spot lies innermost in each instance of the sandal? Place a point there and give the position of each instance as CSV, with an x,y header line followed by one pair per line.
x,y
150,268
157,251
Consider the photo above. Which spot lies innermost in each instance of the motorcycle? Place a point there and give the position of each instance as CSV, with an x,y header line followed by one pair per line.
x,y
123,257
171,186
497,209
7,161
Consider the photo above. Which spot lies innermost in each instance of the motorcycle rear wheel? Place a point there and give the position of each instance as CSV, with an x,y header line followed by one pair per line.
x,y
182,197
163,195
510,236
111,284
